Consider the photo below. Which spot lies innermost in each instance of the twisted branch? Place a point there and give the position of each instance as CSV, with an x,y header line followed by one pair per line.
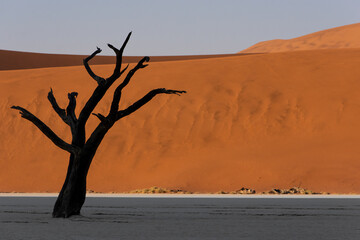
x,y
138,104
98,79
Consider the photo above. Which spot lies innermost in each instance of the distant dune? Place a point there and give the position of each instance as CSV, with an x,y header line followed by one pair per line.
x,y
12,60
347,36
259,121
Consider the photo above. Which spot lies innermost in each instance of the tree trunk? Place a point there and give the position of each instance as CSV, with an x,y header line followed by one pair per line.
x,y
72,195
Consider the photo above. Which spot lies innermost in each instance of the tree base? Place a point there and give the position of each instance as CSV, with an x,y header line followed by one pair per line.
x,y
71,197
64,214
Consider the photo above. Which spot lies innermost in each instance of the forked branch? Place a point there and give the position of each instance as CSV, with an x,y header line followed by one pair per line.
x,y
119,53
46,130
100,91
67,116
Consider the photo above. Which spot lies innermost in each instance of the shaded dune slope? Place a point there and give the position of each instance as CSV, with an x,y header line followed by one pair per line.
x,y
11,60
257,121
340,37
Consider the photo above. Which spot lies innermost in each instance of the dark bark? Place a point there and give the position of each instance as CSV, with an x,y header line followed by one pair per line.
x,y
73,193
98,79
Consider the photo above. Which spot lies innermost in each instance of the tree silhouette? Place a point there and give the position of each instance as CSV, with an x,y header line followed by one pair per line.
x,y
72,195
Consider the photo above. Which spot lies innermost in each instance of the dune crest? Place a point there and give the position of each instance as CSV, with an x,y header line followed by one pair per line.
x,y
334,38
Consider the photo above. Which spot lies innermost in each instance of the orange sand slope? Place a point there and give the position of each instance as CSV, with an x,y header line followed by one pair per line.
x,y
347,36
257,121
11,60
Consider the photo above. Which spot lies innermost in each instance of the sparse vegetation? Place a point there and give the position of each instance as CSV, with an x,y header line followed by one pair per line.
x,y
293,190
160,190
240,191
243,190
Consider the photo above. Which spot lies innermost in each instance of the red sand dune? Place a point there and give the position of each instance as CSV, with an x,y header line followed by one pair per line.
x,y
347,36
257,121
11,60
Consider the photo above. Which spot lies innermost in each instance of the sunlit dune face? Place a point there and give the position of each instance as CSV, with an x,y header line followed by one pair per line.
x,y
263,121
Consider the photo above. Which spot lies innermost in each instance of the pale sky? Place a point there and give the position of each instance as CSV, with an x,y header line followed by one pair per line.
x,y
164,27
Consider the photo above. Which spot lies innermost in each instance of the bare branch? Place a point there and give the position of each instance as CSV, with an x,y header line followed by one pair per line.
x,y
133,71
119,53
145,100
46,130
98,79
61,112
117,94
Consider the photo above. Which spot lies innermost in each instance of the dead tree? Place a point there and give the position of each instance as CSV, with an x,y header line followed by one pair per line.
x,y
72,195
